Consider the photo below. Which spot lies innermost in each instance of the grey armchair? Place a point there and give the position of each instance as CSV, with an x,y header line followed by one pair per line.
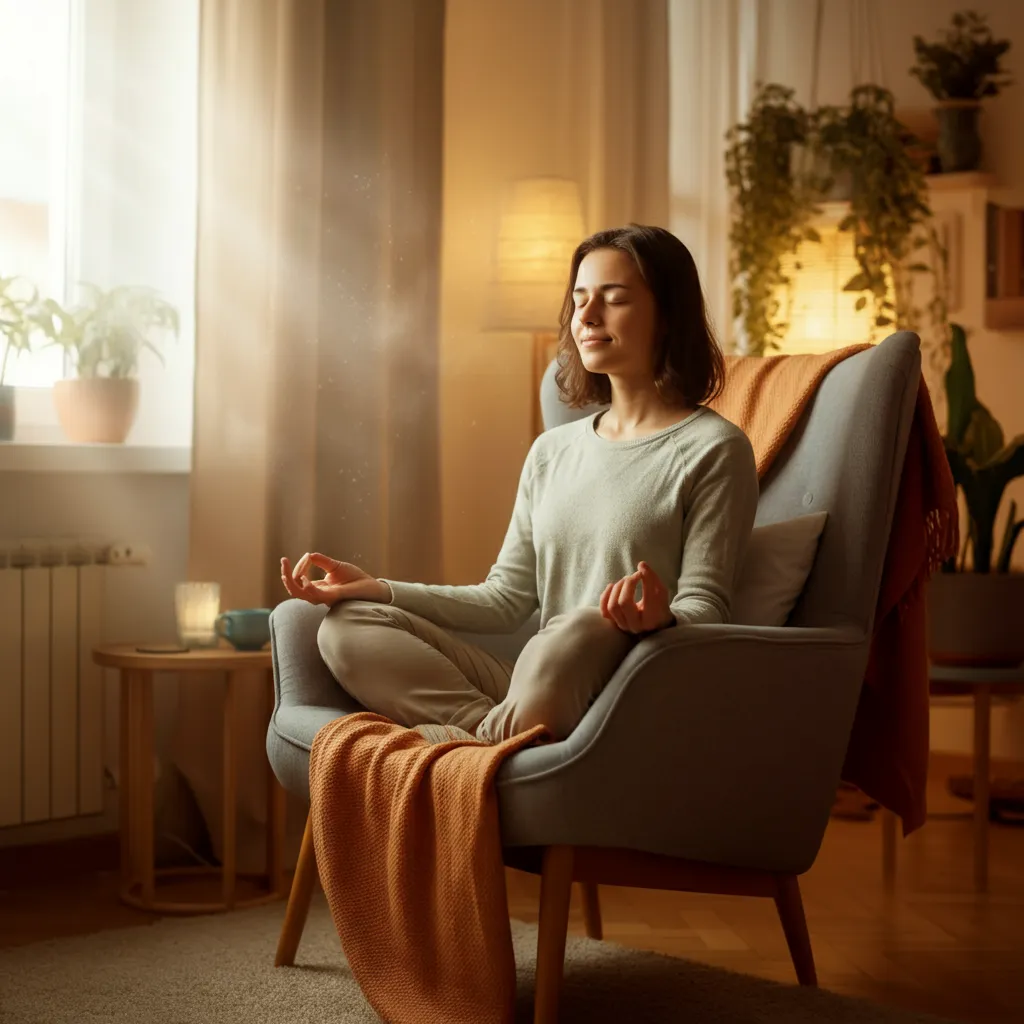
x,y
710,761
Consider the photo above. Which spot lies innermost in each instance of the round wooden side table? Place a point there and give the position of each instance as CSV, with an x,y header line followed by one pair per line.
x,y
139,876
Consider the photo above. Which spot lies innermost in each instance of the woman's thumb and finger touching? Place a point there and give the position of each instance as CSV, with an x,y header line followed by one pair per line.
x,y
323,561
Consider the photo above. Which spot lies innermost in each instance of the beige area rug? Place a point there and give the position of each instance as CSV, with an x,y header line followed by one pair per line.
x,y
220,969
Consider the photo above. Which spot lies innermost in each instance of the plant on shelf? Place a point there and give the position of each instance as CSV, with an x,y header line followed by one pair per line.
x,y
773,206
104,336
982,464
964,64
960,70
889,213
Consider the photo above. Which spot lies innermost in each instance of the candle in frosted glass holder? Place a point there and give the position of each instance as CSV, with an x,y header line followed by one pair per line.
x,y
196,606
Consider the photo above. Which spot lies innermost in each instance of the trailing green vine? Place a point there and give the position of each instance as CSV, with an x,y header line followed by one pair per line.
x,y
775,201
772,209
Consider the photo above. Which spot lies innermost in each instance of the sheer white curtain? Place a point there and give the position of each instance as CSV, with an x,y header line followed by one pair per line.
x,y
716,56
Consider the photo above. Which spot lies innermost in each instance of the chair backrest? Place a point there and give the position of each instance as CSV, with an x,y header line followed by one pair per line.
x,y
844,456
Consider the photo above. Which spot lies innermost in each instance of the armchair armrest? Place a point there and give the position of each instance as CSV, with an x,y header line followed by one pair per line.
x,y
719,743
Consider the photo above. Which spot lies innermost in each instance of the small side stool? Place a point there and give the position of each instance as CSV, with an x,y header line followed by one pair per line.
x,y
982,684
139,876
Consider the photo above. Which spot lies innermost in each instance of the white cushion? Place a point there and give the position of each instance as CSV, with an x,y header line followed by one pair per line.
x,y
778,561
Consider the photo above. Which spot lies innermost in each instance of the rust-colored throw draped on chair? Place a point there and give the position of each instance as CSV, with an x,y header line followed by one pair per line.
x,y
888,753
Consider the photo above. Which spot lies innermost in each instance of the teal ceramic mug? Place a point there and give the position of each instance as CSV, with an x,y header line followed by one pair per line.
x,y
246,629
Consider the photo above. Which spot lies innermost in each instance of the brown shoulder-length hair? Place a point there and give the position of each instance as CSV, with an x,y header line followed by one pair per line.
x,y
689,366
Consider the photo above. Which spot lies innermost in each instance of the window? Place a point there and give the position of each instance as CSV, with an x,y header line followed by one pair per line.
x,y
35,80
35,70
99,108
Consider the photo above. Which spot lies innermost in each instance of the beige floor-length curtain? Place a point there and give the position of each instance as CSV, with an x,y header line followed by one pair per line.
x,y
316,420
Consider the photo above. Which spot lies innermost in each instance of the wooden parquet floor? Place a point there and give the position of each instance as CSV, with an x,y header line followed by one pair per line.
x,y
932,945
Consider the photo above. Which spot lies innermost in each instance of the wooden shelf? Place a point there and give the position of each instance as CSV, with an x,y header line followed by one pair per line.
x,y
1005,314
961,180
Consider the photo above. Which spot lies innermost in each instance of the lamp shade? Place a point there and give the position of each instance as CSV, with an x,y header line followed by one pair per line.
x,y
823,317
541,225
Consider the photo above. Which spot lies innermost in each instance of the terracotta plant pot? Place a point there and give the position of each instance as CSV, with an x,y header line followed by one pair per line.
x,y
96,410
6,412
976,618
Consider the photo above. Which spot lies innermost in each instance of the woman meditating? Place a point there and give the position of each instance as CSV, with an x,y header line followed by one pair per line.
x,y
656,492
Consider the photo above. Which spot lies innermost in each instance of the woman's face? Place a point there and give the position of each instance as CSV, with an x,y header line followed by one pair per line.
x,y
615,319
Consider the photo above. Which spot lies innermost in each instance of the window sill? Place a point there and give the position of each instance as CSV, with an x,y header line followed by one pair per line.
x,y
18,457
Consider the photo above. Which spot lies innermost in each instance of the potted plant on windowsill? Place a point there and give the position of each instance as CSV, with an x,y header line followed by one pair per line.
x,y
959,71
104,335
20,321
976,612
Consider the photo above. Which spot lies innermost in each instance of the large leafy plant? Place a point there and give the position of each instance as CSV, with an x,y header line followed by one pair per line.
x,y
964,64
981,461
105,333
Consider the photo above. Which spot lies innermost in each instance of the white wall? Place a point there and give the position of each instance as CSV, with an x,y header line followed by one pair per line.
x,y
573,88
151,509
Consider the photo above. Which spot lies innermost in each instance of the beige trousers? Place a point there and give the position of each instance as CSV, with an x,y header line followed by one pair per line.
x,y
412,671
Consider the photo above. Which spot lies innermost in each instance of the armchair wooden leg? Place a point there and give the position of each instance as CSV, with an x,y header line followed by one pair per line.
x,y
591,910
555,892
791,912
298,900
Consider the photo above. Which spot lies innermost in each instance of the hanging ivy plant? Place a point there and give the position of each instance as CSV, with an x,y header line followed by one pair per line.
x,y
890,219
773,209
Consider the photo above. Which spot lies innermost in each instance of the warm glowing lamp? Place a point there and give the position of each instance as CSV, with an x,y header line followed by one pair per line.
x,y
823,317
196,606
541,225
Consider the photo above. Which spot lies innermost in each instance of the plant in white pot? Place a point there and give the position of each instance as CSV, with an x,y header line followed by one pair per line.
x,y
104,335
976,607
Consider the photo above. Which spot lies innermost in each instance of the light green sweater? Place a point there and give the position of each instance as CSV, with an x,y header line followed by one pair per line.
x,y
588,510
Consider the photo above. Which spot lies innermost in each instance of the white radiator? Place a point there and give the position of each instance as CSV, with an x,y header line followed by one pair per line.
x,y
51,692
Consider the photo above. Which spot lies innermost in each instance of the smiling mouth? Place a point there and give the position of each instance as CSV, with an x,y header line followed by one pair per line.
x,y
593,341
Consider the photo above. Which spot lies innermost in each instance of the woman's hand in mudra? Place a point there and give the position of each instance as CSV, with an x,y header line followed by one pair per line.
x,y
650,613
342,582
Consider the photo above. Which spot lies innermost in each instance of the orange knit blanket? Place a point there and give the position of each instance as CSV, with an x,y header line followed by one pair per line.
x,y
408,848
887,756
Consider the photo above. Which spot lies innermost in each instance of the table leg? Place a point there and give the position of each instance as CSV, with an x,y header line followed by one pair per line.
x,y
276,818
125,823
230,793
143,773
982,739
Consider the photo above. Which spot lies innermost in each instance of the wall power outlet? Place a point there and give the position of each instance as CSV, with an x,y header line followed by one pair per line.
x,y
128,553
